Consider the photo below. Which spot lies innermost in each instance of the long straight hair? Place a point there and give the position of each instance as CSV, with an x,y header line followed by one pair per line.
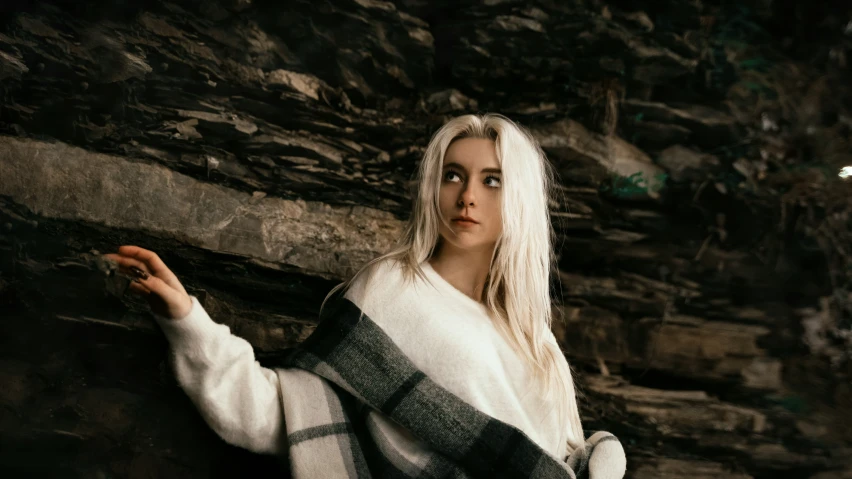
x,y
517,288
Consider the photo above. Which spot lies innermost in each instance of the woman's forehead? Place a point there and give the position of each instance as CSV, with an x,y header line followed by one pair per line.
x,y
472,153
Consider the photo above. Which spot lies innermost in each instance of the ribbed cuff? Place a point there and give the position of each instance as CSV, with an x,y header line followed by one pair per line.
x,y
194,328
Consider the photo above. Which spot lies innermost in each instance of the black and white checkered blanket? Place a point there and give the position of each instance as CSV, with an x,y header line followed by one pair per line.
x,y
349,367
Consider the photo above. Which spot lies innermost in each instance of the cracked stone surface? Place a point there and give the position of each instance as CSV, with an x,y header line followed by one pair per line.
x,y
265,151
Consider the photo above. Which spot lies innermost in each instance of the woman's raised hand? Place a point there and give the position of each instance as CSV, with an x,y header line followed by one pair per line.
x,y
153,280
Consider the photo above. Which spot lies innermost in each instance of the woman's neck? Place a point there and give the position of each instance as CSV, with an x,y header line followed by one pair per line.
x,y
465,270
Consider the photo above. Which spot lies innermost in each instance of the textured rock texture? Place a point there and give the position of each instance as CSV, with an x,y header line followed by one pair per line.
x,y
265,150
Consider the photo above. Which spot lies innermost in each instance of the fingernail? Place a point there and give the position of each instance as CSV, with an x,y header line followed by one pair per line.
x,y
138,272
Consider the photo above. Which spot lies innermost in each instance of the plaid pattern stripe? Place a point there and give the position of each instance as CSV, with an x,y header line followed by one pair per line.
x,y
349,368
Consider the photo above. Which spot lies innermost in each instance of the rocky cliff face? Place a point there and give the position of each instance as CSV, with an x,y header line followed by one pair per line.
x,y
265,151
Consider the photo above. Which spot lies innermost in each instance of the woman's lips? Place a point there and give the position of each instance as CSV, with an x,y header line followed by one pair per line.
x,y
464,223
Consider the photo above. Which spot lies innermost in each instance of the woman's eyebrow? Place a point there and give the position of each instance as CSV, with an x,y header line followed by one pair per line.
x,y
484,170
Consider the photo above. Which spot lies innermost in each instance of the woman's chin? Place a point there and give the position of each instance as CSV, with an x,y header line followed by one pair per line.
x,y
472,246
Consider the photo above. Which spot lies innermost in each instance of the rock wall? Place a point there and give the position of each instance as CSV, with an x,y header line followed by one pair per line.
x,y
265,151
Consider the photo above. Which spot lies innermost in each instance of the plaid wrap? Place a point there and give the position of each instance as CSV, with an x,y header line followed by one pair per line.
x,y
349,367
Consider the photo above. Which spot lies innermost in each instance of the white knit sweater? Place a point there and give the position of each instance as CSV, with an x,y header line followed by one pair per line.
x,y
445,333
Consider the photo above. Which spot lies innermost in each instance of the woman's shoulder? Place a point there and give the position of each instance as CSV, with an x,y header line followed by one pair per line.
x,y
376,280
386,271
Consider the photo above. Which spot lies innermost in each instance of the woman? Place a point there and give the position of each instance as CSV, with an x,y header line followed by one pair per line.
x,y
464,296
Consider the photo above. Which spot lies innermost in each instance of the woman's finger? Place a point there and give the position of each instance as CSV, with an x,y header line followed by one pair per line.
x,y
137,287
126,265
164,300
152,265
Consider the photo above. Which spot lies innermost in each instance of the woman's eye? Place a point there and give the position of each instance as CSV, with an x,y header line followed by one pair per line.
x,y
495,181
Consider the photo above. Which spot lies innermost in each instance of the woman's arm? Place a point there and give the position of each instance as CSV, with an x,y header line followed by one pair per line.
x,y
237,397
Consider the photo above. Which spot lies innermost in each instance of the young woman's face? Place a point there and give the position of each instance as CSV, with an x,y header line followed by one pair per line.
x,y
471,185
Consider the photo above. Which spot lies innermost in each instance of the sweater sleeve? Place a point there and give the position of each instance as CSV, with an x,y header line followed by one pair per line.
x,y
237,397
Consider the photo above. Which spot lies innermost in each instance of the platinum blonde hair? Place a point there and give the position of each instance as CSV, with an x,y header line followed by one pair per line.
x,y
517,289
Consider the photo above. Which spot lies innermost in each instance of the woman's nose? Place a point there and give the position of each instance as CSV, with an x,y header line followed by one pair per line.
x,y
467,196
